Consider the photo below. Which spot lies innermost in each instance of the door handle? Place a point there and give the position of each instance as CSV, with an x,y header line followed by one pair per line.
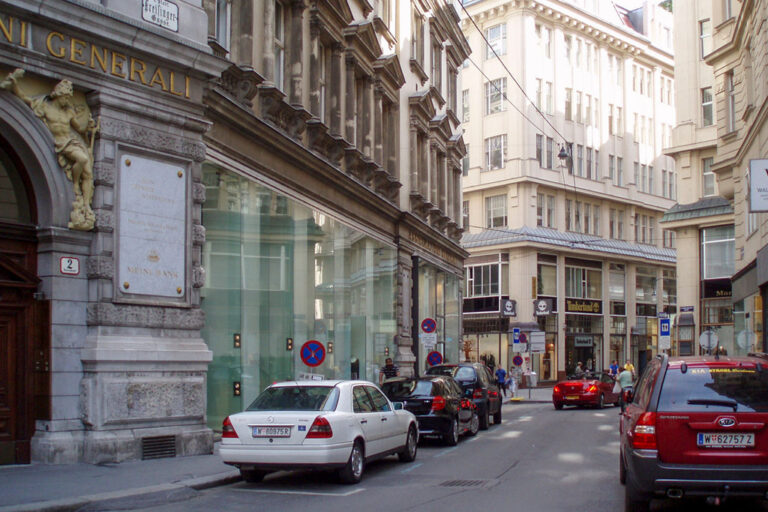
x,y
363,422
383,419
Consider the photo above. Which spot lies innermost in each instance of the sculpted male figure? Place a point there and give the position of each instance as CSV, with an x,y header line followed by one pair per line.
x,y
74,156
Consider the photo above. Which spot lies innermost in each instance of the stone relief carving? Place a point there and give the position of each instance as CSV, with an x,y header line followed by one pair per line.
x,y
152,139
74,132
145,316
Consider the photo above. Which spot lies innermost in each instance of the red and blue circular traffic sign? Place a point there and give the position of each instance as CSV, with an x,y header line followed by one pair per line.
x,y
434,358
312,353
428,325
517,360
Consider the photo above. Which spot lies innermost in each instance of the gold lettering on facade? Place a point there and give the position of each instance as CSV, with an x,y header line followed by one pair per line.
x,y
61,52
173,87
158,78
100,57
138,68
118,59
76,48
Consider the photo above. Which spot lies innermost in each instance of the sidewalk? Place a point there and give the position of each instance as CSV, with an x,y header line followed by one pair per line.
x,y
90,487
536,395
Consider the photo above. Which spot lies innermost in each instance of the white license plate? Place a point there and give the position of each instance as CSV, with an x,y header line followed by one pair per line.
x,y
572,397
725,440
259,431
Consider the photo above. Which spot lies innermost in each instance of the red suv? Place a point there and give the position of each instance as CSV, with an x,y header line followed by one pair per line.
x,y
696,427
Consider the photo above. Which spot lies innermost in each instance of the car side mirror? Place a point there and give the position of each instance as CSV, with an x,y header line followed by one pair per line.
x,y
398,406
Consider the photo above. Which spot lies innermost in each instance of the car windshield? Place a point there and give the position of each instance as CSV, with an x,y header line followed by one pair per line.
x,y
715,389
296,398
404,388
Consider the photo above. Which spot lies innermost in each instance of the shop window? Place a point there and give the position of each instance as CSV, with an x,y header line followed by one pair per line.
x,y
717,252
583,283
546,280
483,280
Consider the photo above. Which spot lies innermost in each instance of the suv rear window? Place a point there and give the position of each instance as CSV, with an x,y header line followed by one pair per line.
x,y
736,389
402,389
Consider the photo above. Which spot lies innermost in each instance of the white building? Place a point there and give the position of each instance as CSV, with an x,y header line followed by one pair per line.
x,y
582,232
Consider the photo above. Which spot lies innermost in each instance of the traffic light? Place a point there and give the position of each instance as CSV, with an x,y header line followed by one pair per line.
x,y
236,339
288,344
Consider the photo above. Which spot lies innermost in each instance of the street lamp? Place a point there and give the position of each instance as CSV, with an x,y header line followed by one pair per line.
x,y
566,155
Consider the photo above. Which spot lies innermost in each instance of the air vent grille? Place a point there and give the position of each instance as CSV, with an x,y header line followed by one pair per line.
x,y
158,447
464,483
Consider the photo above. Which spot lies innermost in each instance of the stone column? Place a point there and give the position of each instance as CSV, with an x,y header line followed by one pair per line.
x,y
349,117
294,42
268,58
334,105
378,124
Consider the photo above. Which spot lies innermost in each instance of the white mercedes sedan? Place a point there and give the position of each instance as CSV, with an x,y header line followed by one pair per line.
x,y
332,424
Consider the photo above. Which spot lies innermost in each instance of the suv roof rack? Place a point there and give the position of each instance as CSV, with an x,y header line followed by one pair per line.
x,y
761,355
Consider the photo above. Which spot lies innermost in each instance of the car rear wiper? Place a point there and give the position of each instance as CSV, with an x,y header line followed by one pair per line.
x,y
714,401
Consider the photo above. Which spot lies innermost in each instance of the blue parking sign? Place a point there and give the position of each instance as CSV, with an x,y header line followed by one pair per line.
x,y
664,326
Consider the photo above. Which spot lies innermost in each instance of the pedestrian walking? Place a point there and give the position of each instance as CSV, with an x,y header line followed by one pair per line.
x,y
626,381
388,371
501,378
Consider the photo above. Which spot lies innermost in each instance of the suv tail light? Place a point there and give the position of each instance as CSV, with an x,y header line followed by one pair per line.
x,y
227,430
644,433
477,393
438,403
320,429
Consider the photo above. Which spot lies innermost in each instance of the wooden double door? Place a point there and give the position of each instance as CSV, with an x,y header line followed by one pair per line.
x,y
24,345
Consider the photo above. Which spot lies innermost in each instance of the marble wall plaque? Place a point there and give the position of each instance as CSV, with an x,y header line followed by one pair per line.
x,y
152,227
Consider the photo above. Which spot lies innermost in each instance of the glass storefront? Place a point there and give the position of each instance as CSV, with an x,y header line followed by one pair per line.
x,y
281,275
439,300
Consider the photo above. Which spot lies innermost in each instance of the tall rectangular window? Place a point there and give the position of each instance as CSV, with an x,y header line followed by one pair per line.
x,y
612,168
540,149
708,177
568,40
497,39
541,200
539,93
596,174
705,37
465,161
222,23
465,106
718,251
611,124
495,151
495,91
620,225
644,178
465,214
577,217
650,179
579,160
664,183
730,101
279,46
619,123
706,107
587,217
636,167
546,41
589,163
550,211
549,99
496,211
619,171
568,214
550,151
596,221
612,223
568,101
578,108
588,110
437,66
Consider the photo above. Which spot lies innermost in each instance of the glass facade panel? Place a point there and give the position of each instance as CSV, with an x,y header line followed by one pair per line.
x,y
281,274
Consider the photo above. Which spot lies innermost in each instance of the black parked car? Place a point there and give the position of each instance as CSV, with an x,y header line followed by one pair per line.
x,y
479,384
439,404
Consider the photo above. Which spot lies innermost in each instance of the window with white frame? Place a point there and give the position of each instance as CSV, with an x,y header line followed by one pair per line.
x,y
550,220
718,252
730,101
550,152
223,22
611,124
612,168
707,111
596,220
483,280
669,238
577,109
465,161
496,211
579,160
708,177
705,37
465,214
619,171
437,65
568,102
495,91
664,183
540,149
583,283
497,40
495,152
417,38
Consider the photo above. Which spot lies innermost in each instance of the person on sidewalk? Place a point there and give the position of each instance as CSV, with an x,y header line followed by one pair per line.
x,y
388,371
501,378
579,371
626,381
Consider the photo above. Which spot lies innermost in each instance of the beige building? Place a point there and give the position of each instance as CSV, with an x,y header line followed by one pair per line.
x,y
737,57
703,219
579,235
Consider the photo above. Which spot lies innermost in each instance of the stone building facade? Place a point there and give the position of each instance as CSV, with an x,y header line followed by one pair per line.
x,y
101,153
194,192
333,167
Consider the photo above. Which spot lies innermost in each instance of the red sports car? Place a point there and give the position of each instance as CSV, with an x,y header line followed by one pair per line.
x,y
595,389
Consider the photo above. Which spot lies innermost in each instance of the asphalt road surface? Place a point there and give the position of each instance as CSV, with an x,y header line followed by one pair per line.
x,y
537,460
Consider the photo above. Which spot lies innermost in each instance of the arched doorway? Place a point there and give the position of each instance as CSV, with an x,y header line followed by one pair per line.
x,y
24,320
